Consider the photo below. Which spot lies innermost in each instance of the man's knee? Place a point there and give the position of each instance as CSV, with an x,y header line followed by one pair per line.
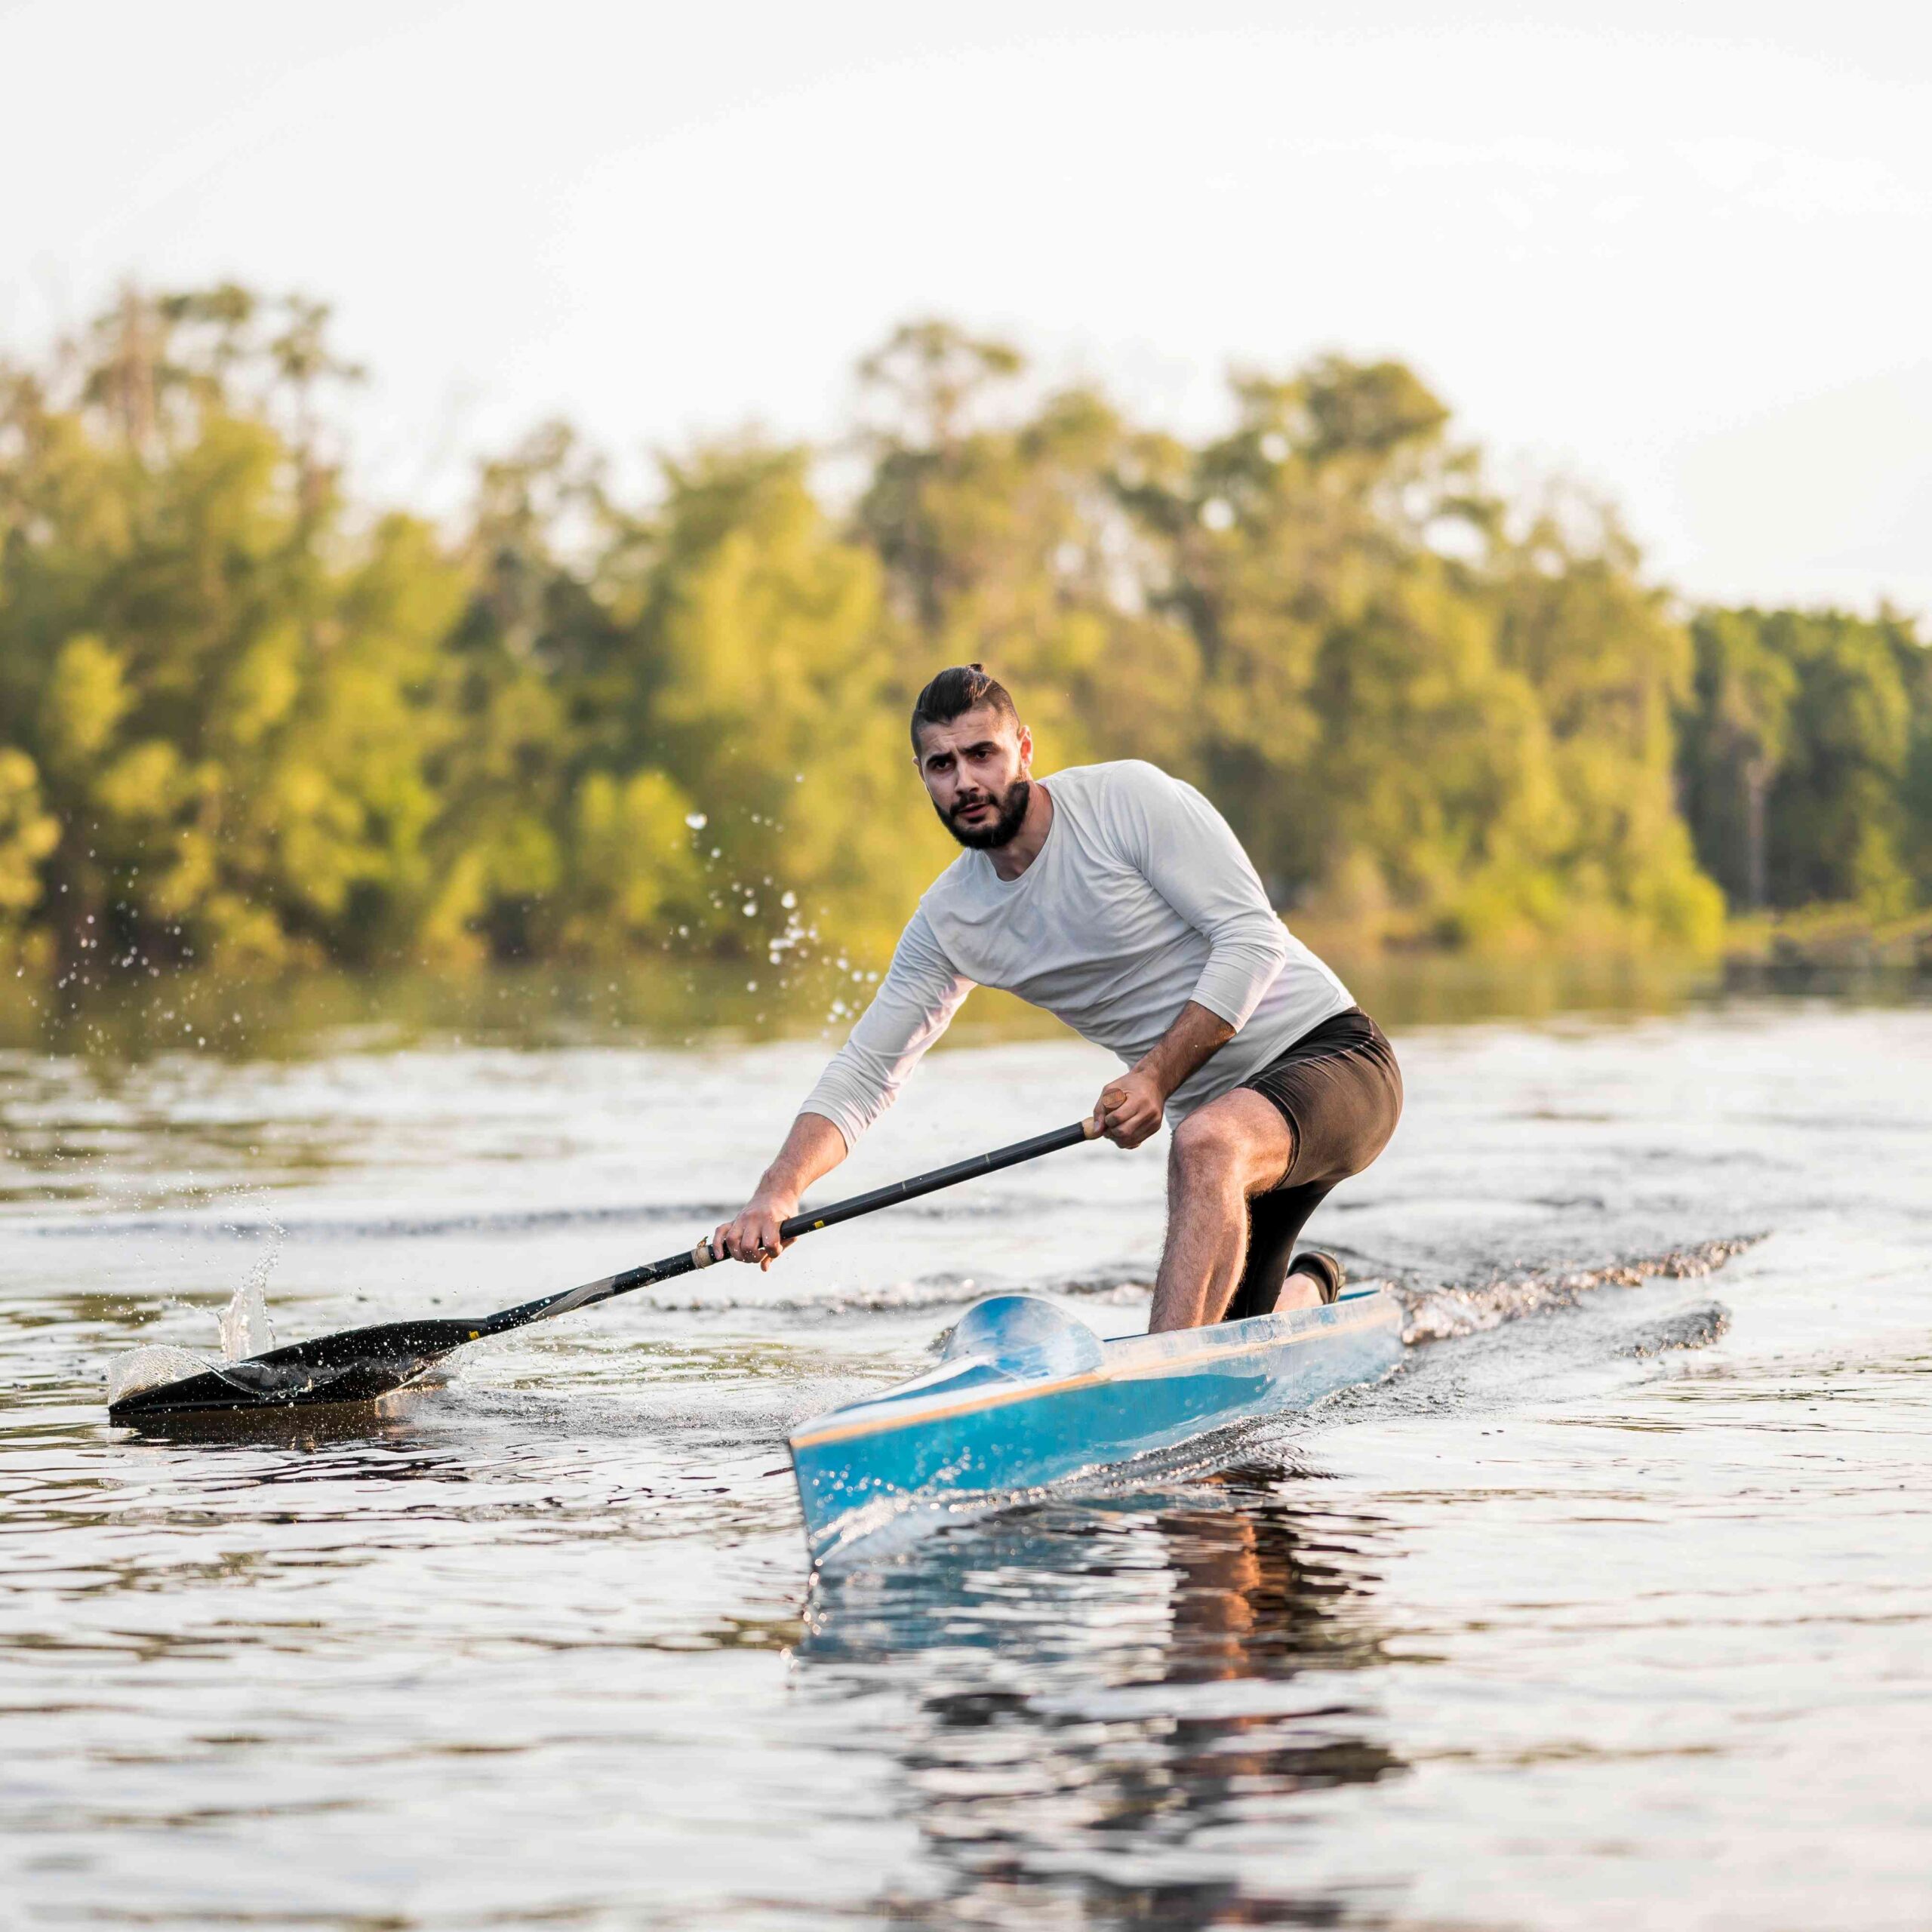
x,y
1207,1149
1240,1140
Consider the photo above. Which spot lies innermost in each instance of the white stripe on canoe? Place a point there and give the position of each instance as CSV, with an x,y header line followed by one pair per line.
x,y
1023,1392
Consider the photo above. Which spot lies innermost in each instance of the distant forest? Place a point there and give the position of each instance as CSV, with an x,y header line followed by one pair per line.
x,y
245,716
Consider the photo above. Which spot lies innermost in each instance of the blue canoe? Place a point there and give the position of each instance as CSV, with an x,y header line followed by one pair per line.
x,y
1027,1394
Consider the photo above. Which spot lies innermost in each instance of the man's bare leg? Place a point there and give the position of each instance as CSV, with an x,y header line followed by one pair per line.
x,y
1231,1149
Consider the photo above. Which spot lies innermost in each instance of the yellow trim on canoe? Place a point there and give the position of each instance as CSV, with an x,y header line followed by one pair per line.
x,y
999,1398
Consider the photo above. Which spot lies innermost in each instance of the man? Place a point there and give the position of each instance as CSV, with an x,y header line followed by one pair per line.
x,y
1118,898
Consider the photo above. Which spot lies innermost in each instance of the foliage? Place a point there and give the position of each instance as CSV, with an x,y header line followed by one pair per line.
x,y
241,715
1806,759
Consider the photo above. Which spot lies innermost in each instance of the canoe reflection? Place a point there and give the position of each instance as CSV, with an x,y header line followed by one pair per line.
x,y
1116,1706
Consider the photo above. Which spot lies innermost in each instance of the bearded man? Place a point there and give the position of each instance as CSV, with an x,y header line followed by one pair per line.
x,y
1119,899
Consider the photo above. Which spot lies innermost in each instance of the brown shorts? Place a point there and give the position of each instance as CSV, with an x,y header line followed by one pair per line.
x,y
1340,1089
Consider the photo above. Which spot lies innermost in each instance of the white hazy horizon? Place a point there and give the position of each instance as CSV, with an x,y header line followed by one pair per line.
x,y
1685,258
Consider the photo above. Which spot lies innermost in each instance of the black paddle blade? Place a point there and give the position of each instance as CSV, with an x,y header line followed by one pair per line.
x,y
353,1367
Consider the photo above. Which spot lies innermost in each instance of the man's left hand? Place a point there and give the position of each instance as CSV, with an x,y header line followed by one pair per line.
x,y
1129,1109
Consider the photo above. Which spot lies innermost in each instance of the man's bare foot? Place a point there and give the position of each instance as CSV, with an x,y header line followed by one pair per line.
x,y
1299,1290
1314,1279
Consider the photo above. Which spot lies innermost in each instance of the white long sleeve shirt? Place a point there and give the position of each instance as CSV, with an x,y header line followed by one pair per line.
x,y
1140,900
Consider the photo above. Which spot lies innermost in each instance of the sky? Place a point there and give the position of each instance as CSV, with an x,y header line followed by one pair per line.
x,y
1682,254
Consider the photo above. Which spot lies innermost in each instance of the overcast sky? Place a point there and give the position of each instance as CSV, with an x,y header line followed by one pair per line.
x,y
1683,252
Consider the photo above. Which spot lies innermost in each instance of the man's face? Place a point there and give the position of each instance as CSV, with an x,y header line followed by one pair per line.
x,y
976,769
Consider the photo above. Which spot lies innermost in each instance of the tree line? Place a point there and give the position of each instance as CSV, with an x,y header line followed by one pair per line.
x,y
244,715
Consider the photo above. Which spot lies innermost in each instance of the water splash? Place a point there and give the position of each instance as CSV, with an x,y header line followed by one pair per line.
x,y
1443,1313
1694,1328
245,1328
150,1367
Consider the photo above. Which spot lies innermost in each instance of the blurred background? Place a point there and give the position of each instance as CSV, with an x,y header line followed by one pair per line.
x,y
480,489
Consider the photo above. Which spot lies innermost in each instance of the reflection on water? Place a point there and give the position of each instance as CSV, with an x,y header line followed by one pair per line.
x,y
385,1424
1081,1690
672,1001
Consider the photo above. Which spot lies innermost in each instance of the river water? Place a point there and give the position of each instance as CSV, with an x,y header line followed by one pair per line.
x,y
1613,1606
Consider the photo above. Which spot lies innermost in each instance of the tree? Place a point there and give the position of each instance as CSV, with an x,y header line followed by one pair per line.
x,y
758,652
1736,733
221,693
1003,539
1608,663
1799,745
1381,764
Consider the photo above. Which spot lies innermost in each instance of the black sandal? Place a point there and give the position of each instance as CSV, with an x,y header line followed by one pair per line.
x,y
1323,1269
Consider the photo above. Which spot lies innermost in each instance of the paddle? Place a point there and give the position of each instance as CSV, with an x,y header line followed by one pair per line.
x,y
362,1363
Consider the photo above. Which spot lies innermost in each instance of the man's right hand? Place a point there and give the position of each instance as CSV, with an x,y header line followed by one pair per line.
x,y
752,1234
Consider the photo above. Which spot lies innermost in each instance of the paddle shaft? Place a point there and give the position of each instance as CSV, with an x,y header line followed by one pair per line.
x,y
808,1222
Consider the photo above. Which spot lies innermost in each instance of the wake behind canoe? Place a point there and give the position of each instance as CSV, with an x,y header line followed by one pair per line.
x,y
1027,1394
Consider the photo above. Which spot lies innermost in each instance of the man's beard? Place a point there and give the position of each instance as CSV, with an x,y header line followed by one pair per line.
x,y
1012,810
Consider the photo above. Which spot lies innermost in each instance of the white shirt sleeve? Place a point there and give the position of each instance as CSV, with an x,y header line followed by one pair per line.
x,y
920,992
1188,852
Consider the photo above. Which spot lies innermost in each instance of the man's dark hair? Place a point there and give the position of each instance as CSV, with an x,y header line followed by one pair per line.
x,y
955,691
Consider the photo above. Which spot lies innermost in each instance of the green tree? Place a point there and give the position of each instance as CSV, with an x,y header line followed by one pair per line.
x,y
761,663
1608,663
1736,734
1004,540
28,833
1801,743
1353,718
220,689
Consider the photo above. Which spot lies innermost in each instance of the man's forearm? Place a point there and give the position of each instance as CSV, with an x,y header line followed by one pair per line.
x,y
1195,1038
812,1150
1129,1109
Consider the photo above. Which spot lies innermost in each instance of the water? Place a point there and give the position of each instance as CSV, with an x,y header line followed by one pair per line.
x,y
1612,1607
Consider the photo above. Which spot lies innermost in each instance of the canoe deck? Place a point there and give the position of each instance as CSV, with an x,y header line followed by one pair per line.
x,y
1030,1395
